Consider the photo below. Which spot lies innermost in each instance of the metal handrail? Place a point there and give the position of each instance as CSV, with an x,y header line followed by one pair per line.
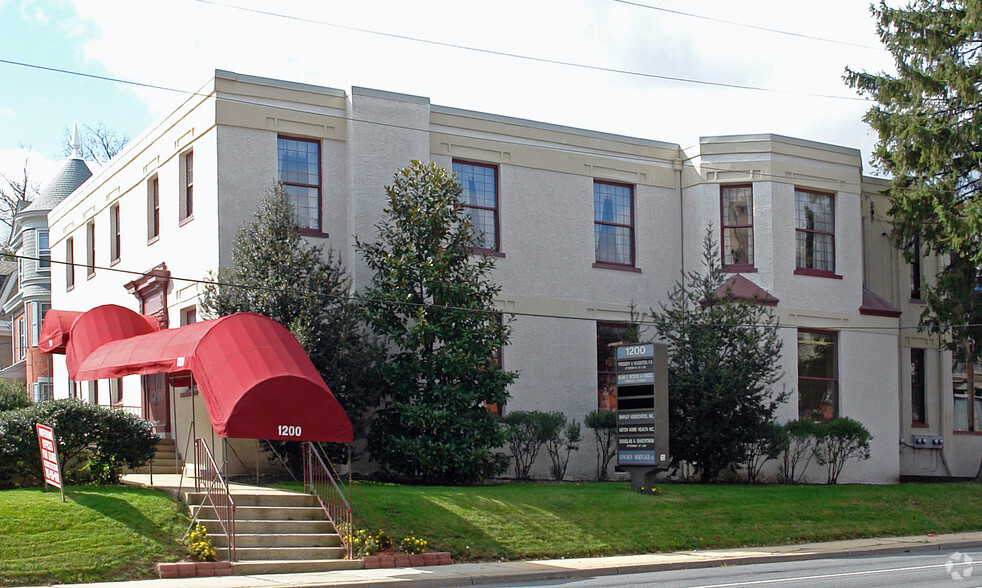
x,y
317,477
208,477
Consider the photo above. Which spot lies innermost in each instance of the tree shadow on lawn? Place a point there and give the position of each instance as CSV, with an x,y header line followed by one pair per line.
x,y
123,512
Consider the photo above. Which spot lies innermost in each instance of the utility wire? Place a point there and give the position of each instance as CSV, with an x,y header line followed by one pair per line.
x,y
416,305
528,57
750,26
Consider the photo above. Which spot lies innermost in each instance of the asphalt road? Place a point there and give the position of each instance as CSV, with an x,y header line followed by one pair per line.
x,y
926,569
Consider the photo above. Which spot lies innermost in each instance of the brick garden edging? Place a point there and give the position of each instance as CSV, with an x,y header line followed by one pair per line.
x,y
194,569
402,560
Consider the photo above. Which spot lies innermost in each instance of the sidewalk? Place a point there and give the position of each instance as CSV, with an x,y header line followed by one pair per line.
x,y
532,571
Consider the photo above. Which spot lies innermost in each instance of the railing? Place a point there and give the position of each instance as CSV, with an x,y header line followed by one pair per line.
x,y
133,410
317,477
208,479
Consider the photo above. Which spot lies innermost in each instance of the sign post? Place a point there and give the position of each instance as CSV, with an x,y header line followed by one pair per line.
x,y
642,411
49,458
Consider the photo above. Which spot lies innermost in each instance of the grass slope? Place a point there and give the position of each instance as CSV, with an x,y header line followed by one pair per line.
x,y
519,521
99,534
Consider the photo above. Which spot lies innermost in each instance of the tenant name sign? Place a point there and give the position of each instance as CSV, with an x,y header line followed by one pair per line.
x,y
635,370
49,455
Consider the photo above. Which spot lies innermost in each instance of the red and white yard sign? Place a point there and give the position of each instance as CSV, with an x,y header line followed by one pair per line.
x,y
49,455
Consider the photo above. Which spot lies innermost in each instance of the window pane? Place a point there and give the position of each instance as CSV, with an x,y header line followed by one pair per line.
x,y
483,221
737,205
817,376
304,201
738,246
612,204
613,244
815,251
814,211
609,335
478,183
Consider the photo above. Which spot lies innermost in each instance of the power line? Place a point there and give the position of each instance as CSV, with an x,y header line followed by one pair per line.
x,y
361,299
93,76
750,26
528,57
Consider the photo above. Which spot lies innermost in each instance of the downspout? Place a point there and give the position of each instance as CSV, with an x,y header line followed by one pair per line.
x,y
677,166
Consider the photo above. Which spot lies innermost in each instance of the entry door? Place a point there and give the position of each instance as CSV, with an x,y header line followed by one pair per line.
x,y
156,401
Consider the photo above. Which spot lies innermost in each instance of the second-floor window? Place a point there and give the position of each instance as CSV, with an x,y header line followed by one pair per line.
x,y
480,199
814,231
187,186
115,236
915,268
153,208
918,414
90,247
70,263
299,173
613,223
737,222
44,251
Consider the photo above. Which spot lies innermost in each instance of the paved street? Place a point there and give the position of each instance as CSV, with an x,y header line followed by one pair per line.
x,y
947,568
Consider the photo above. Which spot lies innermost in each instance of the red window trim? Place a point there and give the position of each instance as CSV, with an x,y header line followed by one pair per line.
x,y
735,268
807,270
307,231
496,209
634,259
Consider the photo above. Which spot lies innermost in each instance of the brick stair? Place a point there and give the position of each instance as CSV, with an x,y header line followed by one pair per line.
x,y
276,532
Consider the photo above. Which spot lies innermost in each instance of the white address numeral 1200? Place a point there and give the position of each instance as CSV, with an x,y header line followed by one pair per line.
x,y
289,430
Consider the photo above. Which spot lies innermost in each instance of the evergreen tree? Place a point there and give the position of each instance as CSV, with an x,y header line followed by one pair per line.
x,y
432,299
276,273
723,361
929,120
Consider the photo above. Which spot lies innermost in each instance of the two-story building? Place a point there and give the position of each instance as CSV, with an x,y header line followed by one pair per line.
x,y
583,224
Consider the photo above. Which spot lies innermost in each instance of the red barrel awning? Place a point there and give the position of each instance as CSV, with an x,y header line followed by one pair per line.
x,y
102,325
55,329
255,378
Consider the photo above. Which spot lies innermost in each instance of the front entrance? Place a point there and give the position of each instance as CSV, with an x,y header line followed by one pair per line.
x,y
156,401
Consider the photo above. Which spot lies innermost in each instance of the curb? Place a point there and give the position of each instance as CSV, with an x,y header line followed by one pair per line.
x,y
519,576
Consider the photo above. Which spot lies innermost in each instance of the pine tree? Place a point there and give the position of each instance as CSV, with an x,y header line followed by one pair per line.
x,y
929,120
432,299
724,358
277,274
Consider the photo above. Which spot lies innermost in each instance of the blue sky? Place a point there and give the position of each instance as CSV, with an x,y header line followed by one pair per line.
x,y
180,43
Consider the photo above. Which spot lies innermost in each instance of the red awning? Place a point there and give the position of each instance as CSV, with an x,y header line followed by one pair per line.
x,y
55,329
101,325
255,378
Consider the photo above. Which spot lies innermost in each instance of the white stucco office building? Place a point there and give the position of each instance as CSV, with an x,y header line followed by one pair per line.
x,y
583,224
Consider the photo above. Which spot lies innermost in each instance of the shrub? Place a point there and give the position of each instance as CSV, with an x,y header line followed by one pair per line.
x,y
800,446
772,441
13,395
561,436
604,425
94,442
838,441
527,431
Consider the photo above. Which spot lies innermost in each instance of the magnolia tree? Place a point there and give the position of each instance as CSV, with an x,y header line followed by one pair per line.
x,y
432,299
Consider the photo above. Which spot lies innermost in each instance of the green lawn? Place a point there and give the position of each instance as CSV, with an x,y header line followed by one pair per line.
x,y
99,534
519,521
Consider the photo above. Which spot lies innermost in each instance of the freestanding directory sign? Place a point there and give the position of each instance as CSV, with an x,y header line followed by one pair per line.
x,y
642,410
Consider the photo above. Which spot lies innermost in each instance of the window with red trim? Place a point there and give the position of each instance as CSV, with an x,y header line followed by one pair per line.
x,y
818,375
299,169
609,336
187,186
479,197
814,231
737,222
613,223
918,414
115,235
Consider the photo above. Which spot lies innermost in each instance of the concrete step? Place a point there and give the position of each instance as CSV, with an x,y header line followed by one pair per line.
x,y
157,469
264,513
273,527
271,499
279,540
249,568
244,554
